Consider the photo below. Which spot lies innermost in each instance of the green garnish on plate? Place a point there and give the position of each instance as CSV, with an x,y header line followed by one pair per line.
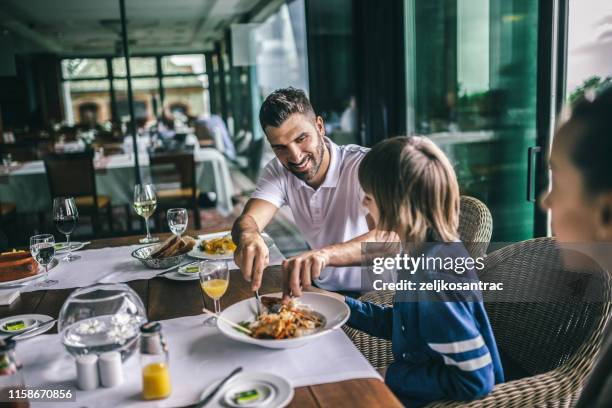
x,y
15,325
192,269
246,397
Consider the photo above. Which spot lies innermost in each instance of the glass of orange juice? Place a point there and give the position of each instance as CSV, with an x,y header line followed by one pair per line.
x,y
214,280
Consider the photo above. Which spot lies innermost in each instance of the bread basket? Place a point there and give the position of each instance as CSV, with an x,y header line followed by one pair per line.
x,y
144,255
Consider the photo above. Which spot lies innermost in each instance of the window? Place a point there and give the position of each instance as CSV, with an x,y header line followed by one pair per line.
x,y
471,87
86,85
182,81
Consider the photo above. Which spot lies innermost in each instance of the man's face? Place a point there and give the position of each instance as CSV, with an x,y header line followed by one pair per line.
x,y
298,144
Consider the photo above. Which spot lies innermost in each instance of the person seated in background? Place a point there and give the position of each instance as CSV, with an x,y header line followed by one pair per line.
x,y
580,202
442,349
317,179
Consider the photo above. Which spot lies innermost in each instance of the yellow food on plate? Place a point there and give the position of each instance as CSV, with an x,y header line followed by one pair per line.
x,y
218,246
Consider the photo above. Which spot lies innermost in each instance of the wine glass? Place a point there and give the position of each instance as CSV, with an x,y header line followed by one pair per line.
x,y
43,249
66,216
214,280
145,202
177,220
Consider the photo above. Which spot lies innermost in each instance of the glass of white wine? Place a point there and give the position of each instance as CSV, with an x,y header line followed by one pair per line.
x,y
145,202
214,280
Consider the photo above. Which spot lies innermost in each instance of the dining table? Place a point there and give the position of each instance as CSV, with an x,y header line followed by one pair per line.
x,y
25,183
169,299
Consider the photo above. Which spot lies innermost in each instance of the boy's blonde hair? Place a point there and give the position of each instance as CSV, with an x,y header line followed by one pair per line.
x,y
415,189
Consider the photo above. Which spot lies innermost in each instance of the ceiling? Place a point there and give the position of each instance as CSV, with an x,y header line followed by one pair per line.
x,y
93,27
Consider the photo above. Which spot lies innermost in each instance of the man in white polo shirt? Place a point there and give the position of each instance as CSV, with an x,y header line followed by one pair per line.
x,y
318,180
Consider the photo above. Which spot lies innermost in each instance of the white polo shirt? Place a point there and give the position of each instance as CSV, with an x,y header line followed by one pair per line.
x,y
331,214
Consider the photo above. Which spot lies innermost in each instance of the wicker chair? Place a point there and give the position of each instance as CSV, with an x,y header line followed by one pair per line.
x,y
475,227
557,340
554,340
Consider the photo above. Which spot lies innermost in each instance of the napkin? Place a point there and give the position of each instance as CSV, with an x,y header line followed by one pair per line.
x,y
7,297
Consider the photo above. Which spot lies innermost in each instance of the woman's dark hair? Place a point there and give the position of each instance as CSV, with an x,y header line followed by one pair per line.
x,y
281,104
590,123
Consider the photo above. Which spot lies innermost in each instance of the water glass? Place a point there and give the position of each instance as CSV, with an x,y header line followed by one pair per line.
x,y
43,250
177,220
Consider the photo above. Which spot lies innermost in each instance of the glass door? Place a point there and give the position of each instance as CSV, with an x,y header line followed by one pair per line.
x,y
472,88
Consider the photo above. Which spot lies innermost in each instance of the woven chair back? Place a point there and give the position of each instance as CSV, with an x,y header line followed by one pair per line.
x,y
544,318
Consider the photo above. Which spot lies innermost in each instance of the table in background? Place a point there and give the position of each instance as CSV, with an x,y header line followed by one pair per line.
x,y
26,183
168,299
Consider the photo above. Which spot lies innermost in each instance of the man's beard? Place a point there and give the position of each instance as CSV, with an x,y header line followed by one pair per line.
x,y
316,163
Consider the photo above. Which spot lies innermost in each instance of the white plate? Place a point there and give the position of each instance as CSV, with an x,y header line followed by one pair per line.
x,y
39,275
182,269
335,311
177,276
42,319
62,247
29,323
197,253
281,392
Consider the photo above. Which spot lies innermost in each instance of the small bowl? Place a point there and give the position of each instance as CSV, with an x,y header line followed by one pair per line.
x,y
27,324
144,255
190,269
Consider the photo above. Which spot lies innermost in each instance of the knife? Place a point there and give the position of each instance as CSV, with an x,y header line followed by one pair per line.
x,y
214,392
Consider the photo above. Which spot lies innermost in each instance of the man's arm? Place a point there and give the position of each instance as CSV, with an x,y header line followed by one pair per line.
x,y
252,255
301,270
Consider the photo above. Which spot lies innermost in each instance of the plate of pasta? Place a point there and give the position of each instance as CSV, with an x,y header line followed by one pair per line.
x,y
284,325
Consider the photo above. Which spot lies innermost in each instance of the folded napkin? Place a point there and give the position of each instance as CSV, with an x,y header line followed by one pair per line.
x,y
7,297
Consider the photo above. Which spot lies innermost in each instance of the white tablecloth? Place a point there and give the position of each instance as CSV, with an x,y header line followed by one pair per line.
x,y
111,265
26,184
199,355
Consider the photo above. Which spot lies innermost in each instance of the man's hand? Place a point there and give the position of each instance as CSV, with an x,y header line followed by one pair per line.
x,y
252,256
299,271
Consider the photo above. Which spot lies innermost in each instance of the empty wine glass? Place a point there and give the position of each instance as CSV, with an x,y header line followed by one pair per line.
x,y
66,216
145,202
43,249
177,220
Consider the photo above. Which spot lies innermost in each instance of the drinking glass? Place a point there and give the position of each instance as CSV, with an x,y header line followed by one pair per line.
x,y
214,280
177,220
66,216
145,202
7,159
43,249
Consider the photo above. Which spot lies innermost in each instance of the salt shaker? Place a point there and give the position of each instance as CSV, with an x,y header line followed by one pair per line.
x,y
111,371
87,372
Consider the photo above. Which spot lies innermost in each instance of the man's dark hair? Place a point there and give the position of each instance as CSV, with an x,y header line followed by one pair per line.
x,y
281,104
591,118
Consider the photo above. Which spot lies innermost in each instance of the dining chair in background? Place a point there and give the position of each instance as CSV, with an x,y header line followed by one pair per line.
x,y
475,229
8,214
73,175
175,181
